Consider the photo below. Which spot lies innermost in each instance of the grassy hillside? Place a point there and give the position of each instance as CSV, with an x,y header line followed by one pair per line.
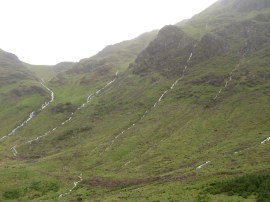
x,y
181,115
20,90
43,72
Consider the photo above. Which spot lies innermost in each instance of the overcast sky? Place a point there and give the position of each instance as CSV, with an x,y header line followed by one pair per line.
x,y
52,31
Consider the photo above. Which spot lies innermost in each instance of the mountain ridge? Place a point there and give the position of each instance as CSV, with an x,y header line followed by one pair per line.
x,y
181,115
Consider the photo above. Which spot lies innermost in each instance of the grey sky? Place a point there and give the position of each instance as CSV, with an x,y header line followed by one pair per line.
x,y
51,31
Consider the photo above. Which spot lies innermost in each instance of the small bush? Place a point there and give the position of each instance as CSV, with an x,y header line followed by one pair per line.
x,y
44,187
254,184
72,133
12,194
35,190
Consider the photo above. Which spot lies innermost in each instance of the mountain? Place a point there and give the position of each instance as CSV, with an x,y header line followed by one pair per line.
x,y
11,68
9,60
75,84
168,52
20,92
179,114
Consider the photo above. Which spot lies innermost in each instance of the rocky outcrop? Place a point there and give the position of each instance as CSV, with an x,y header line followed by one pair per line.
x,y
210,46
254,35
166,54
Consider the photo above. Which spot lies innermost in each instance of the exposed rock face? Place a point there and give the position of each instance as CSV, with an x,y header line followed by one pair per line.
x,y
255,35
210,46
166,54
9,60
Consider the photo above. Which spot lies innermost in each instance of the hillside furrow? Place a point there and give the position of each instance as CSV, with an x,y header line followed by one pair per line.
x,y
227,82
266,140
32,114
155,104
203,165
76,183
89,98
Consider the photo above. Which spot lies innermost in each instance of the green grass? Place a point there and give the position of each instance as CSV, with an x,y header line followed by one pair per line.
x,y
176,147
245,186
42,71
157,159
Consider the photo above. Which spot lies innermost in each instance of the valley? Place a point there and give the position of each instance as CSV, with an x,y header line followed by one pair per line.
x,y
176,114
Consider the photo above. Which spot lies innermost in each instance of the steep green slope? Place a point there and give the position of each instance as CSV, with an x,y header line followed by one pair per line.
x,y
75,84
185,117
21,93
44,72
12,69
